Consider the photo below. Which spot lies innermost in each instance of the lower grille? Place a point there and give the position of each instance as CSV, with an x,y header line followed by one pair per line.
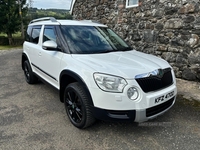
x,y
122,114
159,108
154,83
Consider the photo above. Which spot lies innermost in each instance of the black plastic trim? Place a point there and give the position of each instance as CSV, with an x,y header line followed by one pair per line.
x,y
78,79
44,72
114,115
23,58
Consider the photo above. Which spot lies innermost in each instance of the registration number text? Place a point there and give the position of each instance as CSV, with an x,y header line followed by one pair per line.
x,y
162,98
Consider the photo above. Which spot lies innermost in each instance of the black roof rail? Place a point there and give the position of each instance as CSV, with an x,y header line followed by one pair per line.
x,y
52,19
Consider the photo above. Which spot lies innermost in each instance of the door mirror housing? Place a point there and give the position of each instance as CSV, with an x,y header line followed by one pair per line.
x,y
50,45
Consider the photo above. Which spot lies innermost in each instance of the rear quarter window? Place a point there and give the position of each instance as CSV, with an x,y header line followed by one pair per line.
x,y
28,34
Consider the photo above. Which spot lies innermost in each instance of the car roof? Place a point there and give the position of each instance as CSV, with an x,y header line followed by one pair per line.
x,y
53,21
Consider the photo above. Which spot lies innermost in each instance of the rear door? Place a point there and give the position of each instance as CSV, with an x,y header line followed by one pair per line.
x,y
32,46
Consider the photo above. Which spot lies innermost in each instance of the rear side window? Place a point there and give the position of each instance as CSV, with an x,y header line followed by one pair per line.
x,y
33,34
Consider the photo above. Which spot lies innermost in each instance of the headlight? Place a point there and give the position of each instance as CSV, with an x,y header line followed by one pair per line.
x,y
132,93
110,83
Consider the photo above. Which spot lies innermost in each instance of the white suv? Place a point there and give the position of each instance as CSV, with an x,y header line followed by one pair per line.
x,y
97,74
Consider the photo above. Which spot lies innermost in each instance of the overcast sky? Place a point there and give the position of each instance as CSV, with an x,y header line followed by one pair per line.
x,y
58,4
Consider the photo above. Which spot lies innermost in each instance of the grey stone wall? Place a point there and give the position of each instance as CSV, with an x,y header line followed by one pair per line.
x,y
166,28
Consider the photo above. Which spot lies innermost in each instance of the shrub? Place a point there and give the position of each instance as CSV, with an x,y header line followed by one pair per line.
x,y
16,41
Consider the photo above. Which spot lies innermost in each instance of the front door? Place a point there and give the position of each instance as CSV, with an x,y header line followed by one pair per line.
x,y
50,60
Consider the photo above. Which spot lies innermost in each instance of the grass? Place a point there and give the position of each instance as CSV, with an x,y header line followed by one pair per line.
x,y
7,47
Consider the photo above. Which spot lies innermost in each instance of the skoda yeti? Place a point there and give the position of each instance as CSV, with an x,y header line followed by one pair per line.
x,y
97,74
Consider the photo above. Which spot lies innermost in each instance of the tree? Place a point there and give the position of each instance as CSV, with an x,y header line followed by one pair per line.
x,y
12,12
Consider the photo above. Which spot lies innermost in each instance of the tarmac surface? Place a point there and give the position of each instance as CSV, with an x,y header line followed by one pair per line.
x,y
33,118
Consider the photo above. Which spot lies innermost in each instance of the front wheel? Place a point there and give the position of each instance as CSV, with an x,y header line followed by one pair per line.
x,y
78,106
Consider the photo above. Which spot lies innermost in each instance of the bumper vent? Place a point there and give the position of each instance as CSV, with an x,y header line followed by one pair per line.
x,y
159,108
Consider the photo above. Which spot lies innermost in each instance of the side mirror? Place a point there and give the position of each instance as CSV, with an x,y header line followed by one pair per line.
x,y
50,45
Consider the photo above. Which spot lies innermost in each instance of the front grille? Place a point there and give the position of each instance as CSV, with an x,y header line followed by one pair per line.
x,y
154,83
159,108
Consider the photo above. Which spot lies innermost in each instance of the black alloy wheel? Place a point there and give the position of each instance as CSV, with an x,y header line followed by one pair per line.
x,y
77,106
74,106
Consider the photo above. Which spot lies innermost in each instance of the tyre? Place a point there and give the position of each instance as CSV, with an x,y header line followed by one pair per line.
x,y
29,76
78,106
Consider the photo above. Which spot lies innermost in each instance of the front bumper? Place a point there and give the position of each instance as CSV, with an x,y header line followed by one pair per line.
x,y
139,115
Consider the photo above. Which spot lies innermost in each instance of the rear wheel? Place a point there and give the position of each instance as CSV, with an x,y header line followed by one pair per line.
x,y
78,106
29,76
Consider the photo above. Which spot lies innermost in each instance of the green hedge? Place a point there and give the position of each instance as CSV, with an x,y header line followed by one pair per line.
x,y
16,41
4,41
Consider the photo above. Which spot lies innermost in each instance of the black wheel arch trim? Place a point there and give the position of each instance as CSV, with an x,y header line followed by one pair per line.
x,y
78,79
24,58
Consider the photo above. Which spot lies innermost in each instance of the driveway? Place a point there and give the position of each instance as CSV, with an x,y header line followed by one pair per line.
x,y
32,117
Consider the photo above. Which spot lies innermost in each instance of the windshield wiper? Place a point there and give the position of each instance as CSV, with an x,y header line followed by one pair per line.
x,y
113,50
120,50
125,49
104,51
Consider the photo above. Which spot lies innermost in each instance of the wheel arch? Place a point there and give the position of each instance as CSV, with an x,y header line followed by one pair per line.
x,y
67,77
23,59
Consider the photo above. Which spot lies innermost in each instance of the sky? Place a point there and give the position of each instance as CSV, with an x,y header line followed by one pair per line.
x,y
46,4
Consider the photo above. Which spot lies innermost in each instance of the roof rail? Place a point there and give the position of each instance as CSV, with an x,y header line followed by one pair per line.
x,y
52,19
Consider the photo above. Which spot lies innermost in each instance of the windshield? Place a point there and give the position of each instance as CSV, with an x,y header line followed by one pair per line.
x,y
91,40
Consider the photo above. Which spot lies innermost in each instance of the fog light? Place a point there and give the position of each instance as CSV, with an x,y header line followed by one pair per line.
x,y
133,93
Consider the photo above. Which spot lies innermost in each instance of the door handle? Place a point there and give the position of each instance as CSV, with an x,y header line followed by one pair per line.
x,y
40,54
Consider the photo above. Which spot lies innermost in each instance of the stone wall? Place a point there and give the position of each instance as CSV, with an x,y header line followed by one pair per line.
x,y
169,29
